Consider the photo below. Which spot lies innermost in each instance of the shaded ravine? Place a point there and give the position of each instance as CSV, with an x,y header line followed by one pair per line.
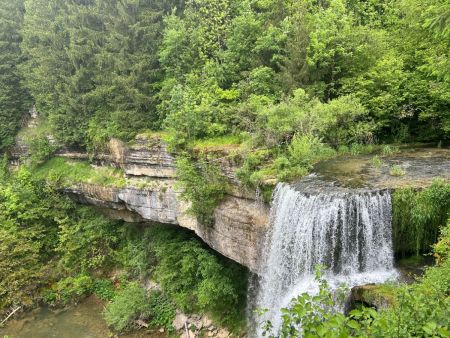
x,y
348,231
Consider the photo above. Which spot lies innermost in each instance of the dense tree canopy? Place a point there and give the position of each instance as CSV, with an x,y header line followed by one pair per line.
x,y
203,68
14,100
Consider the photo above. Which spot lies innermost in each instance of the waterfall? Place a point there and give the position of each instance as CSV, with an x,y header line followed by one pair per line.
x,y
348,231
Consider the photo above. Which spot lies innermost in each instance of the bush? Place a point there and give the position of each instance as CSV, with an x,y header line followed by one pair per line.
x,y
377,162
306,150
203,185
442,247
397,170
103,289
417,217
128,304
86,241
40,150
346,121
196,279
163,311
68,290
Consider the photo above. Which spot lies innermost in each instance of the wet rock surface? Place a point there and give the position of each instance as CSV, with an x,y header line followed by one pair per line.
x,y
419,165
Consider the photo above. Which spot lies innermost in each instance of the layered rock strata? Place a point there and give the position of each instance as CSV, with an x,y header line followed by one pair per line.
x,y
151,195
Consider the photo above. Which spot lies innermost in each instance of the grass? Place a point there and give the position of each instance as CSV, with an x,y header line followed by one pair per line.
x,y
377,162
42,127
150,135
381,293
389,150
67,172
397,170
220,142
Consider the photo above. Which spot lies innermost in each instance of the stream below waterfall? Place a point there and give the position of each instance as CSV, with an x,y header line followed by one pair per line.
x,y
81,321
346,230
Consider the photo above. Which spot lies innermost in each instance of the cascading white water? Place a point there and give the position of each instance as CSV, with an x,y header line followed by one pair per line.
x,y
347,231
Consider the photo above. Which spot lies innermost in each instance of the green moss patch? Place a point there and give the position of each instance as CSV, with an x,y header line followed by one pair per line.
x,y
68,172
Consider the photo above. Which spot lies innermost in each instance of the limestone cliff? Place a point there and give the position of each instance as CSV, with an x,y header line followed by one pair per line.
x,y
150,195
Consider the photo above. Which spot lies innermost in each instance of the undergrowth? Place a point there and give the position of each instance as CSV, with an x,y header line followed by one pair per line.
x,y
417,217
67,172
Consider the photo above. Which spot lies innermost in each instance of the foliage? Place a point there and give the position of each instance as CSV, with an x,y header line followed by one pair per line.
x,y
64,172
198,280
14,97
20,266
132,302
442,247
68,290
128,304
419,310
103,289
28,231
417,217
134,255
92,66
49,246
204,186
40,148
397,170
163,311
86,241
377,162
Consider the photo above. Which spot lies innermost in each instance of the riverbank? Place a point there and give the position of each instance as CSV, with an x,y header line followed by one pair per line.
x,y
83,320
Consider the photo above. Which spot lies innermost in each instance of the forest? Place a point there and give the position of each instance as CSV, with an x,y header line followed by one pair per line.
x,y
290,82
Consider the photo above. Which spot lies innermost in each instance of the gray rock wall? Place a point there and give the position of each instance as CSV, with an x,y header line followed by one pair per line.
x,y
151,196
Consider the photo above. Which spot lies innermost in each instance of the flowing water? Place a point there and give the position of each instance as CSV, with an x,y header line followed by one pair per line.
x,y
348,231
82,321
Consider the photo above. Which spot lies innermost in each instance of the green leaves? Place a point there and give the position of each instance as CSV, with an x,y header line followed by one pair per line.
x,y
203,185
197,279
420,309
14,98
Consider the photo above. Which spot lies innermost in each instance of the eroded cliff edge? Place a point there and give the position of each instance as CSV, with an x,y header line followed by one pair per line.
x,y
150,192
151,195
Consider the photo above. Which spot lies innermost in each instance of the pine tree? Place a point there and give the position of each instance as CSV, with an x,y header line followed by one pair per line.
x,y
14,99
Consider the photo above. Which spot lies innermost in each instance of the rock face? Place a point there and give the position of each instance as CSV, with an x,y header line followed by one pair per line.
x,y
379,296
151,196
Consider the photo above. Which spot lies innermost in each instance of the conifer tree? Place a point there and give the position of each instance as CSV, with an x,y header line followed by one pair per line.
x,y
14,99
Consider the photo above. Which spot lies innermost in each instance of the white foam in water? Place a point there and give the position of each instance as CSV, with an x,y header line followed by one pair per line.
x,y
347,231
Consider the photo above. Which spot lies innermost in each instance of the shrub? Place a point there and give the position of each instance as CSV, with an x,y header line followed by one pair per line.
x,y
377,162
306,150
203,185
40,149
397,170
86,241
163,311
417,217
345,121
196,279
442,247
103,288
388,150
248,173
128,304
68,290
